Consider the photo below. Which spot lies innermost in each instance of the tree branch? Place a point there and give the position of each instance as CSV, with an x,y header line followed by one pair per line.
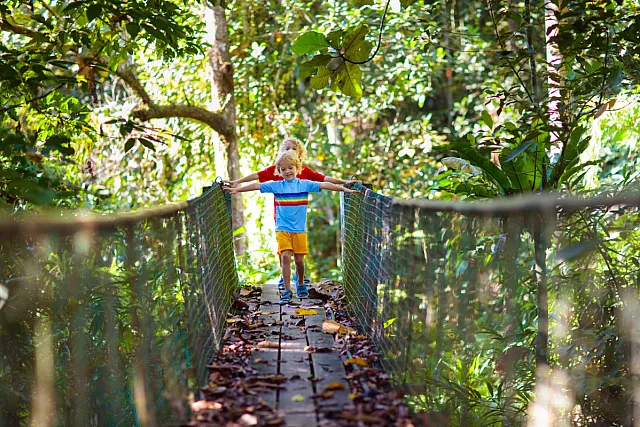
x,y
216,121
16,29
130,77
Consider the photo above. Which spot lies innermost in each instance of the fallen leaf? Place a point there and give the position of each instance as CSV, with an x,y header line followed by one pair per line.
x,y
268,344
335,386
297,398
265,313
332,327
310,349
353,396
216,390
305,312
356,361
324,395
248,420
276,378
360,417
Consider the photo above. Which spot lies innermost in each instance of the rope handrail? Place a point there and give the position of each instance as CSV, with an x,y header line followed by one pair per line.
x,y
68,222
464,300
521,204
112,319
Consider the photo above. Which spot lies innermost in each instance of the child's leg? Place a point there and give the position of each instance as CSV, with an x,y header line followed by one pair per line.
x,y
299,261
285,263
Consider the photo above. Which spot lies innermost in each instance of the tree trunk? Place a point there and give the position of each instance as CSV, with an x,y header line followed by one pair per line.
x,y
224,101
448,70
540,247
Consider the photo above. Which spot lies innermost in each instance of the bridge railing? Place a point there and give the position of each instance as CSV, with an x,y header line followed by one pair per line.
x,y
501,312
111,320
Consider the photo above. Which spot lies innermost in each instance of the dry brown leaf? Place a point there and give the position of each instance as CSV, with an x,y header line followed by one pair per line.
x,y
268,344
276,378
367,419
265,313
356,361
332,327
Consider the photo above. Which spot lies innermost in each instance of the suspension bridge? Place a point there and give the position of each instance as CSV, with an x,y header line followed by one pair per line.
x,y
489,313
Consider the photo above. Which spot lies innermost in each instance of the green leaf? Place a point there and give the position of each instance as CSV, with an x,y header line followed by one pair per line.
x,y
486,118
518,150
133,29
389,322
334,38
320,80
154,32
147,143
576,250
129,144
348,79
307,68
93,11
359,51
354,35
309,42
239,231
407,3
492,171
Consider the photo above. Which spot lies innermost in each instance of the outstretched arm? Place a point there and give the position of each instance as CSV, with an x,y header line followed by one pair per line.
x,y
252,177
339,181
250,187
334,187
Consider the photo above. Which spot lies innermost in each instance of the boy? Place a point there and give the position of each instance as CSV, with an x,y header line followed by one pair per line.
x,y
291,200
270,174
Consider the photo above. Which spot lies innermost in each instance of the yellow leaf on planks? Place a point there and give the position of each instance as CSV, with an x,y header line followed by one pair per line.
x,y
356,361
335,386
304,312
297,398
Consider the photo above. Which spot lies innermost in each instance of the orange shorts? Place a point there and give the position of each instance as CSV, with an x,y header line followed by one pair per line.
x,y
294,242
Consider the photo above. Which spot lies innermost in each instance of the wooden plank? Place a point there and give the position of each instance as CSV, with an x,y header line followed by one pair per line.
x,y
328,367
297,400
265,360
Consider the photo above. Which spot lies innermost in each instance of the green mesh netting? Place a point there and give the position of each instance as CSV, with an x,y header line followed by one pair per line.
x,y
112,321
500,312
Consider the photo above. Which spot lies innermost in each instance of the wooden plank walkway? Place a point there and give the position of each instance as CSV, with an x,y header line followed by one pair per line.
x,y
313,385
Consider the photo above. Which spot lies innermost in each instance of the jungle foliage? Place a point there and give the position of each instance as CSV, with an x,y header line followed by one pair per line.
x,y
426,99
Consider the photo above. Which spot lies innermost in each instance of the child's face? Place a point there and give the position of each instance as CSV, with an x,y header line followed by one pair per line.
x,y
290,145
288,172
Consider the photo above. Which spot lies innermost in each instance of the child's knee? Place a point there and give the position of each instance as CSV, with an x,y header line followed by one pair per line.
x,y
286,256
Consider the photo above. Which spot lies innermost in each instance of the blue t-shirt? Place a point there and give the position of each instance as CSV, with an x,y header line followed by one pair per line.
x,y
291,200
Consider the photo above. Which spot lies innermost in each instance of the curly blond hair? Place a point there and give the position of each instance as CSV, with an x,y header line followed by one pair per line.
x,y
300,148
288,158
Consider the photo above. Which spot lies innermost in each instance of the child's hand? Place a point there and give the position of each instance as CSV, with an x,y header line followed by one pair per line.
x,y
351,182
229,183
350,190
230,190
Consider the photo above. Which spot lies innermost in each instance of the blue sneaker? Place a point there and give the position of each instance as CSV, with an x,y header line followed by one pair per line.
x,y
295,279
281,284
286,296
301,291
